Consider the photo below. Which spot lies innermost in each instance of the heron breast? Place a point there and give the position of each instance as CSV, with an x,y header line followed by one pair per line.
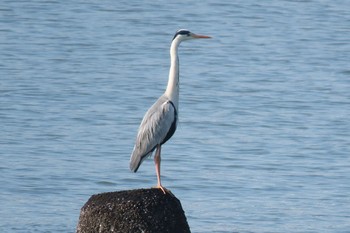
x,y
172,128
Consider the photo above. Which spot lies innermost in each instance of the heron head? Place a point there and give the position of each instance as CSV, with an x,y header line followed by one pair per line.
x,y
184,34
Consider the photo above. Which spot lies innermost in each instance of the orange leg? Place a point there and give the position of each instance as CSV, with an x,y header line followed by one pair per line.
x,y
157,160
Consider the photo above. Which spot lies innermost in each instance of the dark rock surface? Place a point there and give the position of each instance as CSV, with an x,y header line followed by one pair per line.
x,y
140,210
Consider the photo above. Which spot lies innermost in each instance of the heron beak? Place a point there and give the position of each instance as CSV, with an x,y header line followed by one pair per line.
x,y
200,36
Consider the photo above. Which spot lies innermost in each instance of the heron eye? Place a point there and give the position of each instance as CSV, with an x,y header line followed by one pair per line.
x,y
182,32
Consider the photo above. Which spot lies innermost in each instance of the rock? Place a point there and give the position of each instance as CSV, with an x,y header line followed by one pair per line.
x,y
140,210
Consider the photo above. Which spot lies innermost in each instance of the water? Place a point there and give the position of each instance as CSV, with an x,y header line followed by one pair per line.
x,y
263,143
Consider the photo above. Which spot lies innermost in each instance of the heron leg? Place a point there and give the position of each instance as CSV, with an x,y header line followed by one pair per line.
x,y
157,160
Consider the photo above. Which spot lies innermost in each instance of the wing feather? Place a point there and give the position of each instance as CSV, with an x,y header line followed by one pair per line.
x,y
154,128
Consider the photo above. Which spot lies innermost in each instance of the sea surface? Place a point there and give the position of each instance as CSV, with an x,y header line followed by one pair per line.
x,y
263,141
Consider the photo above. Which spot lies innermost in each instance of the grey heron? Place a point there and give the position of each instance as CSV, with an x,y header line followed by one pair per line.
x,y
160,121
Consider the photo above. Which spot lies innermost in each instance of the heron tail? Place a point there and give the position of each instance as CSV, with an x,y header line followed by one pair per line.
x,y
136,159
135,162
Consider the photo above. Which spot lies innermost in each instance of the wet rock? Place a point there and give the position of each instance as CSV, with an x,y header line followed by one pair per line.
x,y
140,210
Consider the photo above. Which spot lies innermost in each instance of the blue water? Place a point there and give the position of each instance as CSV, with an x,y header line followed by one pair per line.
x,y
263,143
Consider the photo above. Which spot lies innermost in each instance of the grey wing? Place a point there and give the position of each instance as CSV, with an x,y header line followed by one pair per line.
x,y
158,121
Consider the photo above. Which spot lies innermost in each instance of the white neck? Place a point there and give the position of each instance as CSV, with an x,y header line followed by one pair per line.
x,y
172,90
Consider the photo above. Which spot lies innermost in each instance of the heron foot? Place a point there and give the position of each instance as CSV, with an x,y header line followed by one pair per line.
x,y
164,190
